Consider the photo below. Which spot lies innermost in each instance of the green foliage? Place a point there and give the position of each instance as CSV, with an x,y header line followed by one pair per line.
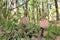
x,y
9,22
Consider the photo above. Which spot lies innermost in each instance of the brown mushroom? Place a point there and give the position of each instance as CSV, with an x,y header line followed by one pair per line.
x,y
43,24
24,20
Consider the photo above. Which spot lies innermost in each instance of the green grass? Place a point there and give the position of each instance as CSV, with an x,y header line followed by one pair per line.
x,y
53,31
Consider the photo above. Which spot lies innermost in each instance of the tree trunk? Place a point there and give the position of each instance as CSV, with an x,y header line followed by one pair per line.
x,y
57,14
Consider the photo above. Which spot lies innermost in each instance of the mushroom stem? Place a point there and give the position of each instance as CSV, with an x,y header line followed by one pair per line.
x,y
42,30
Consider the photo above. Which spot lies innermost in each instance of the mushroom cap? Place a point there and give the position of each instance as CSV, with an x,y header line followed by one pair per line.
x,y
44,23
24,20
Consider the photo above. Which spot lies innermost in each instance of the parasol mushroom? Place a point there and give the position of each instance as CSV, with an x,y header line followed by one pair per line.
x,y
24,20
43,24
